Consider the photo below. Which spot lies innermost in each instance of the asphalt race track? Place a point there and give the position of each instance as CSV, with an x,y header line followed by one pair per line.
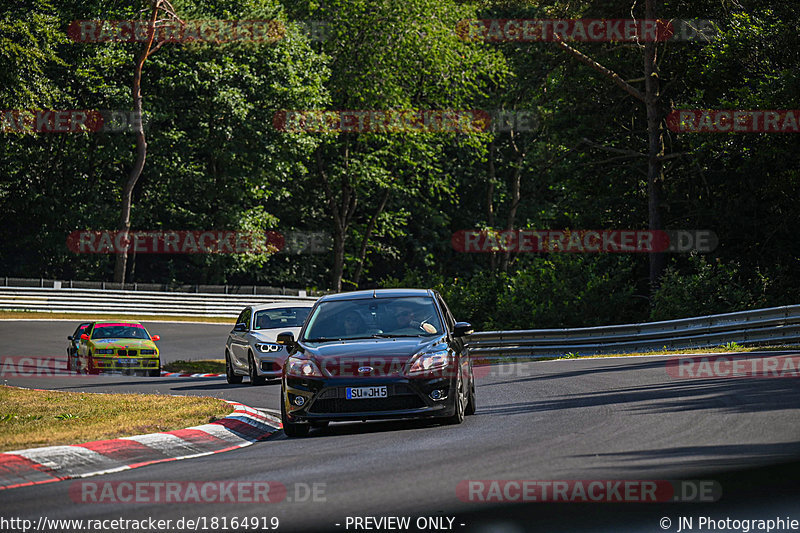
x,y
582,419
179,340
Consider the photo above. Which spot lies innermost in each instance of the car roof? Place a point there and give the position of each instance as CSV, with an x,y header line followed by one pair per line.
x,y
116,323
278,305
376,293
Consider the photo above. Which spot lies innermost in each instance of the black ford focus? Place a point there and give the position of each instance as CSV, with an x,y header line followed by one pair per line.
x,y
391,353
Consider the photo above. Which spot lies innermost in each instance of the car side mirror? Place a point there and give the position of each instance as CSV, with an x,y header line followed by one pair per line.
x,y
286,338
156,337
69,337
462,329
241,326
84,337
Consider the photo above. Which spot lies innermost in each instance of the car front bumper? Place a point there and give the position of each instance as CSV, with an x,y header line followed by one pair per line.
x,y
325,399
119,364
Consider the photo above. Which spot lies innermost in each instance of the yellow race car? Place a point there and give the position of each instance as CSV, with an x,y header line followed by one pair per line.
x,y
117,346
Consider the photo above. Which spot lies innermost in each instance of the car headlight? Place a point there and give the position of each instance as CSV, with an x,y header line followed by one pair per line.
x,y
302,368
104,351
147,352
429,362
268,347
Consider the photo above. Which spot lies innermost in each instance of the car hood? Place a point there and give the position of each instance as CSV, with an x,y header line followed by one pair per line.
x,y
385,357
270,335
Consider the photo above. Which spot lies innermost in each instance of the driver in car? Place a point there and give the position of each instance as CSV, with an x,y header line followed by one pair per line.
x,y
405,318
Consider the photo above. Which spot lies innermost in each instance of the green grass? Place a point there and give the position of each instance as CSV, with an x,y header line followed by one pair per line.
x,y
35,418
730,347
204,366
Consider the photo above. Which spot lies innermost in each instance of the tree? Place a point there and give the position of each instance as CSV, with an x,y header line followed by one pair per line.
x,y
390,55
159,8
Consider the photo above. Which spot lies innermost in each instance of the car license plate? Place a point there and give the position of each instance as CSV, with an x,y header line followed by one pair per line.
x,y
127,362
361,393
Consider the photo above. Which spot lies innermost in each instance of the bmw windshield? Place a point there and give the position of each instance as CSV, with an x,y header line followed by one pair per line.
x,y
373,318
119,331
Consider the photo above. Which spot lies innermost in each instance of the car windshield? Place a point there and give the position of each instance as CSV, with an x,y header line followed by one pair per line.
x,y
281,317
374,317
119,331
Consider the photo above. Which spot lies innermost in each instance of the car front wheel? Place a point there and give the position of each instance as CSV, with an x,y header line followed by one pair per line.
x,y
470,410
232,378
255,379
460,403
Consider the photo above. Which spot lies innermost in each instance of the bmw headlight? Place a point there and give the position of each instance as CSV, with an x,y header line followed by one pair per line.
x,y
104,351
429,362
268,347
147,352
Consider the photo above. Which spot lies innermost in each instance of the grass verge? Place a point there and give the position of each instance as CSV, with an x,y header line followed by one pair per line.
x,y
34,418
733,347
203,366
87,317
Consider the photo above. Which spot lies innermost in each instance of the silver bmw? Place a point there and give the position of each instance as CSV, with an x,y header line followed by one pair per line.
x,y
251,349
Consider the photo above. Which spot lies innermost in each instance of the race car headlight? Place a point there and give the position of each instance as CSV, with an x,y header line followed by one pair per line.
x,y
104,351
147,352
302,368
429,362
268,347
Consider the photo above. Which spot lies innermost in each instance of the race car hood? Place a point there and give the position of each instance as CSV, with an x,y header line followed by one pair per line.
x,y
133,344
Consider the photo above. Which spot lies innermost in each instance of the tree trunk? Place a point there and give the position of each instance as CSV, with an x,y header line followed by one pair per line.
x,y
655,135
127,192
512,211
655,145
362,254
141,148
490,197
340,214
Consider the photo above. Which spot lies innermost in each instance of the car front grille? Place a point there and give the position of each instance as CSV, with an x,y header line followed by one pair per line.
x,y
333,400
126,353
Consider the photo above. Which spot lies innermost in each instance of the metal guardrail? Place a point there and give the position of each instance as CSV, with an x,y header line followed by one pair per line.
x,y
43,283
776,325
50,300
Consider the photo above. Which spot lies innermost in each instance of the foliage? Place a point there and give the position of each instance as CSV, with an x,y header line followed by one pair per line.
x,y
706,288
392,201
